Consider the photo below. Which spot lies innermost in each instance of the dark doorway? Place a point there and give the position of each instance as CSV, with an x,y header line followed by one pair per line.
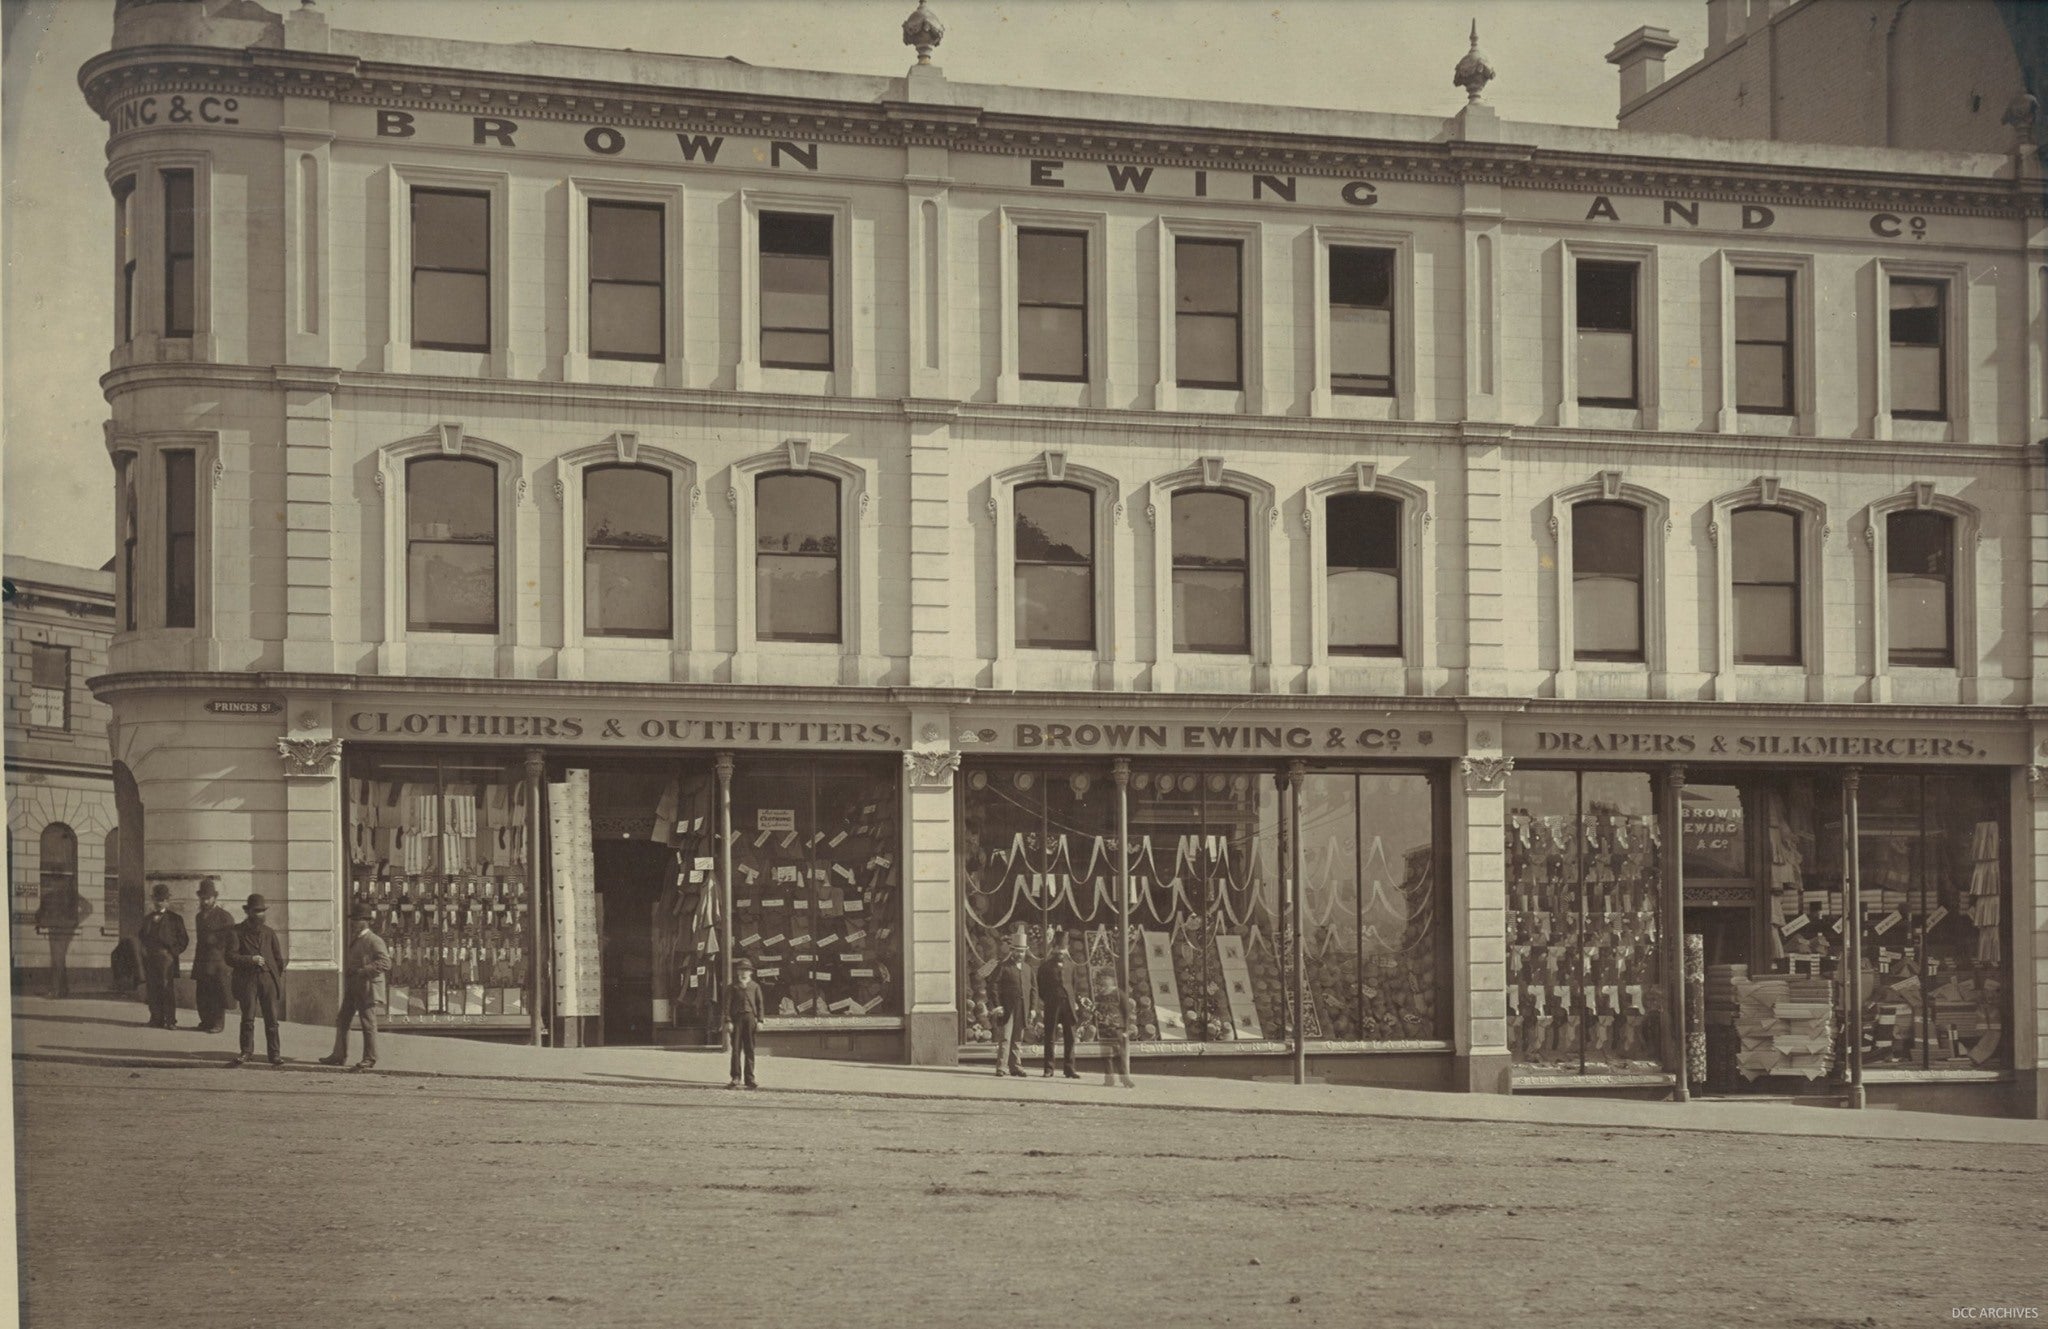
x,y
629,878
1727,933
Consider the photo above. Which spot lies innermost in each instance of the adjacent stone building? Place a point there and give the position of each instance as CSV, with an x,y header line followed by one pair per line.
x,y
1380,584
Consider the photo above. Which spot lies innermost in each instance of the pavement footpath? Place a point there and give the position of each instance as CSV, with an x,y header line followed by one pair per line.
x,y
113,1033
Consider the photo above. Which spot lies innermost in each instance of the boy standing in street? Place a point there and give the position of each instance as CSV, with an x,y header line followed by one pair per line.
x,y
744,1009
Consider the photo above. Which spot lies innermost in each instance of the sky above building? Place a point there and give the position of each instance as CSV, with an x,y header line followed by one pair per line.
x,y
1374,55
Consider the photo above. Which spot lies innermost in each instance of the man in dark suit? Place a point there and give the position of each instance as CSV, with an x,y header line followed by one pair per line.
x,y
1056,993
163,940
745,1008
213,929
362,991
257,958
1016,989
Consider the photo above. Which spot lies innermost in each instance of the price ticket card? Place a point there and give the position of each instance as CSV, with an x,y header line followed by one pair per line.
x,y
703,863
862,973
854,906
762,838
788,839
800,939
822,975
772,904
1796,925
1940,912
800,904
766,971
837,840
854,957
827,939
751,874
775,940
1888,922
843,870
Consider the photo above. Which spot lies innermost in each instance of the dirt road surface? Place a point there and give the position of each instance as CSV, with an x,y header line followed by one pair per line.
x,y
300,1196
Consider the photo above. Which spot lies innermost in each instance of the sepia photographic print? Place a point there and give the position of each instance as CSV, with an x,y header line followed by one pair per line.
x,y
1027,662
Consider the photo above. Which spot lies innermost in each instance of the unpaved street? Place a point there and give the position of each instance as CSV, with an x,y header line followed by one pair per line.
x,y
301,1197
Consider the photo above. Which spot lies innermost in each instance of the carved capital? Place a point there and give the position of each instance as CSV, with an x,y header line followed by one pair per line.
x,y
1486,775
309,756
931,770
2037,780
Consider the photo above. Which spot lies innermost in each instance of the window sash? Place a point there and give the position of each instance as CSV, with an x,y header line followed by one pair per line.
x,y
470,555
124,249
1607,582
436,284
621,326
180,271
1608,316
180,542
1918,335
798,591
1766,351
1052,333
635,606
1362,574
1923,595
49,698
789,339
1760,601
1207,316
1361,327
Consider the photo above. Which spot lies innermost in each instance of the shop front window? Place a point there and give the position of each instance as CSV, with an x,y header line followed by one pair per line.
x,y
438,851
1585,856
1210,959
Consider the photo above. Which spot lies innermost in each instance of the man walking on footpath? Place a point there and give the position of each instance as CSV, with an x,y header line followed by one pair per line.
x,y
257,957
1116,1016
362,978
163,940
1056,993
744,1009
213,929
1016,986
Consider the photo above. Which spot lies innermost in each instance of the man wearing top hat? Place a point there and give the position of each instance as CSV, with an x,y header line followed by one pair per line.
x,y
362,992
257,958
163,940
213,929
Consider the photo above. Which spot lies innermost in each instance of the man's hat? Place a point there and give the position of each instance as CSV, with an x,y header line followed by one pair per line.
x,y
743,964
362,913
207,889
254,905
160,892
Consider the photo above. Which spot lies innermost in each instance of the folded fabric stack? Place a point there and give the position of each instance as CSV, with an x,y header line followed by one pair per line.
x,y
1785,1026
1983,905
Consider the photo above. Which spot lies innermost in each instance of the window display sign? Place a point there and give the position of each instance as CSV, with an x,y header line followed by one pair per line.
x,y
1285,734
1806,739
1712,826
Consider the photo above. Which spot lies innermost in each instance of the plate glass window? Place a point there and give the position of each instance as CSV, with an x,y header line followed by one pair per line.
x,y
627,583
49,688
1607,581
1362,548
1764,563
131,526
124,257
451,539
796,291
1211,572
1055,578
1208,296
796,560
1763,342
180,274
626,259
1362,322
181,551
1052,306
1919,364
451,270
1607,334
1920,575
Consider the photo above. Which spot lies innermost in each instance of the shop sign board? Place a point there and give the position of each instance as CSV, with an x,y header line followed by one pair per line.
x,y
1736,893
683,726
243,706
1742,740
1224,734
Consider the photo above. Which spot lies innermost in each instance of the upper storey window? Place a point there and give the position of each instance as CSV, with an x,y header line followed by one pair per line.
x,y
625,281
796,291
1607,333
451,270
1362,322
1052,306
796,568
627,582
1208,312
1055,550
1211,572
1920,577
451,545
1919,351
1764,565
1607,581
181,540
124,258
49,688
1362,553
180,269
1763,342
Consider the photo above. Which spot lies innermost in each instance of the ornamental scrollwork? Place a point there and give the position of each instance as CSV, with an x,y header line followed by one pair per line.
x,y
931,770
309,756
1486,775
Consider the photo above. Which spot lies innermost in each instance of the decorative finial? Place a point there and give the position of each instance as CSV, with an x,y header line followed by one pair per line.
x,y
1473,73
924,31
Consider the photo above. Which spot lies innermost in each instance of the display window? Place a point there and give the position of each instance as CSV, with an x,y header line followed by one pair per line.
x,y
1585,870
438,849
1209,952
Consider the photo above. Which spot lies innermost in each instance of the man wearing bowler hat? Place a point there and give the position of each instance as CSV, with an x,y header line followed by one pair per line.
x,y
257,958
163,940
213,929
362,990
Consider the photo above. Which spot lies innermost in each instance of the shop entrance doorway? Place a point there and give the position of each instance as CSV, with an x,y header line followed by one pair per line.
x,y
1728,934
629,880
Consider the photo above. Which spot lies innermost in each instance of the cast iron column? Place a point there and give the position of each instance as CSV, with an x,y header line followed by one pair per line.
x,y
536,767
1120,770
1674,927
1852,925
724,768
1295,770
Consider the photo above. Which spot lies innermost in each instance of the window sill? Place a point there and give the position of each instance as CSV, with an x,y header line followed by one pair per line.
x,y
818,648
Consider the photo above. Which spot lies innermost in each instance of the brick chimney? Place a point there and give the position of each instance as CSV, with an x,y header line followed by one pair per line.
x,y
1726,21
1640,57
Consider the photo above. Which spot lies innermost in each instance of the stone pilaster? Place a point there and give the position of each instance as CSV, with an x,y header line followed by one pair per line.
x,y
939,593
309,565
1479,915
931,981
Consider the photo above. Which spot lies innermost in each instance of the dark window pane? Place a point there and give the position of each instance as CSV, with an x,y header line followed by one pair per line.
x,y
1763,306
796,291
625,242
1919,543
796,514
1767,624
451,230
1206,347
1919,559
626,592
1607,296
178,219
49,666
1918,353
1052,343
180,271
1916,308
1365,611
1051,268
795,233
1055,606
1210,611
449,498
181,522
1209,529
1607,539
1206,276
1363,531
1765,546
1362,277
451,310
1762,378
625,321
1055,524
626,506
796,598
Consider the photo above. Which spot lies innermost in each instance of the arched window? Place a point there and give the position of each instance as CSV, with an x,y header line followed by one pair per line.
x,y
628,588
451,545
1362,549
1921,587
59,875
1055,567
796,559
1764,574
1607,581
1211,572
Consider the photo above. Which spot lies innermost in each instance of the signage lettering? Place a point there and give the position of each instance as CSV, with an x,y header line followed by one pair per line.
x,y
1088,737
219,706
572,728
1595,743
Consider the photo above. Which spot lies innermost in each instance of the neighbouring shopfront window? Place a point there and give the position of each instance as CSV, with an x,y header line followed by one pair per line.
x,y
437,848
1934,900
1209,954
817,902
1585,867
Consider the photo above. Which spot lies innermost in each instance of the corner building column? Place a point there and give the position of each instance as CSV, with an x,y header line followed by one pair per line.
x,y
1479,921
931,1019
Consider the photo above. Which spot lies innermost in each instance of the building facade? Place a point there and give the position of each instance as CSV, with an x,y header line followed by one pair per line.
x,y
1386,578
62,831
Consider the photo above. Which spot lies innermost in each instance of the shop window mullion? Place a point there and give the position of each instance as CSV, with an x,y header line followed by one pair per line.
x,y
1358,898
